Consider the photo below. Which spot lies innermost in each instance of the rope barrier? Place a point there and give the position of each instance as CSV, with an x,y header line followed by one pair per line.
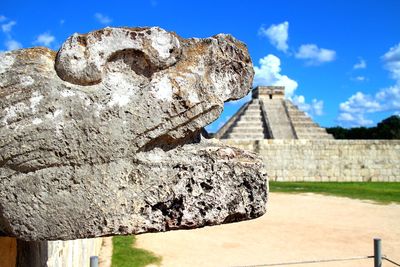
x,y
395,263
307,262
378,257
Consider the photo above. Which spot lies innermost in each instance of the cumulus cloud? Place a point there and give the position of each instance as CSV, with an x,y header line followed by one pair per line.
x,y
360,103
2,18
315,55
44,39
7,27
103,19
314,109
12,44
392,62
354,110
277,35
269,73
353,120
361,64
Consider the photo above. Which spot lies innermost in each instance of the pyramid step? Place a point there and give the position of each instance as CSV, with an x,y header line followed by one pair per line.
x,y
295,113
291,106
253,107
300,118
249,123
247,130
306,130
251,118
255,136
252,112
298,114
304,124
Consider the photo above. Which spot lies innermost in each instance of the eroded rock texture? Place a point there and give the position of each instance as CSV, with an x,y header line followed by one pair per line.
x,y
97,139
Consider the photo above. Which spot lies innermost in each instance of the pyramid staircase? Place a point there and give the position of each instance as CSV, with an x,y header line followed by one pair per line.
x,y
269,116
278,119
249,123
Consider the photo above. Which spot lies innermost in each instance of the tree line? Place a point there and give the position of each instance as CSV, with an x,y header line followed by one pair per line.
x,y
388,128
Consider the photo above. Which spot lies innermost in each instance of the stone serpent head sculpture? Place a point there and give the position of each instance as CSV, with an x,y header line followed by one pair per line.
x,y
102,137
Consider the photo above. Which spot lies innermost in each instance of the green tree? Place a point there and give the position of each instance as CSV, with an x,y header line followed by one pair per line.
x,y
388,128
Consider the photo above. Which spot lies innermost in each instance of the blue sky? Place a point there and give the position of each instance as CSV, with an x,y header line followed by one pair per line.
x,y
340,60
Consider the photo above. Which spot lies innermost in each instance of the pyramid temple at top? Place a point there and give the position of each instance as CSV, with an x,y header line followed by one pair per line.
x,y
270,116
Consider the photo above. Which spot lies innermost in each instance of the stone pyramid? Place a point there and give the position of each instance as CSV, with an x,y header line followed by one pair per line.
x,y
270,116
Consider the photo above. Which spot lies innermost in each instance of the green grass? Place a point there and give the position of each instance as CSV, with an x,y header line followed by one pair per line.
x,y
381,192
126,255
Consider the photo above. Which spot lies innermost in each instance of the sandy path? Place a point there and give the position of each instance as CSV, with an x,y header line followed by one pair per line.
x,y
296,227
106,252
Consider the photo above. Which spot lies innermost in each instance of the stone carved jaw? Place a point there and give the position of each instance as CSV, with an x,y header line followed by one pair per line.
x,y
81,132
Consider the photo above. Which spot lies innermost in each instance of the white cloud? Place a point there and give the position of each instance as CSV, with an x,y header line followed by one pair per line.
x,y
353,120
360,103
62,21
317,107
360,78
44,39
314,109
361,64
392,62
12,44
268,73
103,19
277,35
354,110
315,55
6,28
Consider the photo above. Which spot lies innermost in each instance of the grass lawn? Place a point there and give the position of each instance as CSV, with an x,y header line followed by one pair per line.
x,y
126,255
382,192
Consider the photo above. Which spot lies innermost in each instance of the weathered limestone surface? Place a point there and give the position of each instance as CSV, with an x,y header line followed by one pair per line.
x,y
327,160
95,139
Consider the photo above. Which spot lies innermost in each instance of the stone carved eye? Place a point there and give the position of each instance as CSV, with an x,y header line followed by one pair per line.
x,y
82,58
136,60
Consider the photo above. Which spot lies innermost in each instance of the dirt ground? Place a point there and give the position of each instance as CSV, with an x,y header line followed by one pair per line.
x,y
296,227
106,252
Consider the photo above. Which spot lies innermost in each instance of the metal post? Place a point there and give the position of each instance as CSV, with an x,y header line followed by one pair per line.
x,y
94,261
377,252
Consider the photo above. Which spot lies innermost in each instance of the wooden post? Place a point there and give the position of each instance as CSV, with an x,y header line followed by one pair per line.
x,y
8,251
